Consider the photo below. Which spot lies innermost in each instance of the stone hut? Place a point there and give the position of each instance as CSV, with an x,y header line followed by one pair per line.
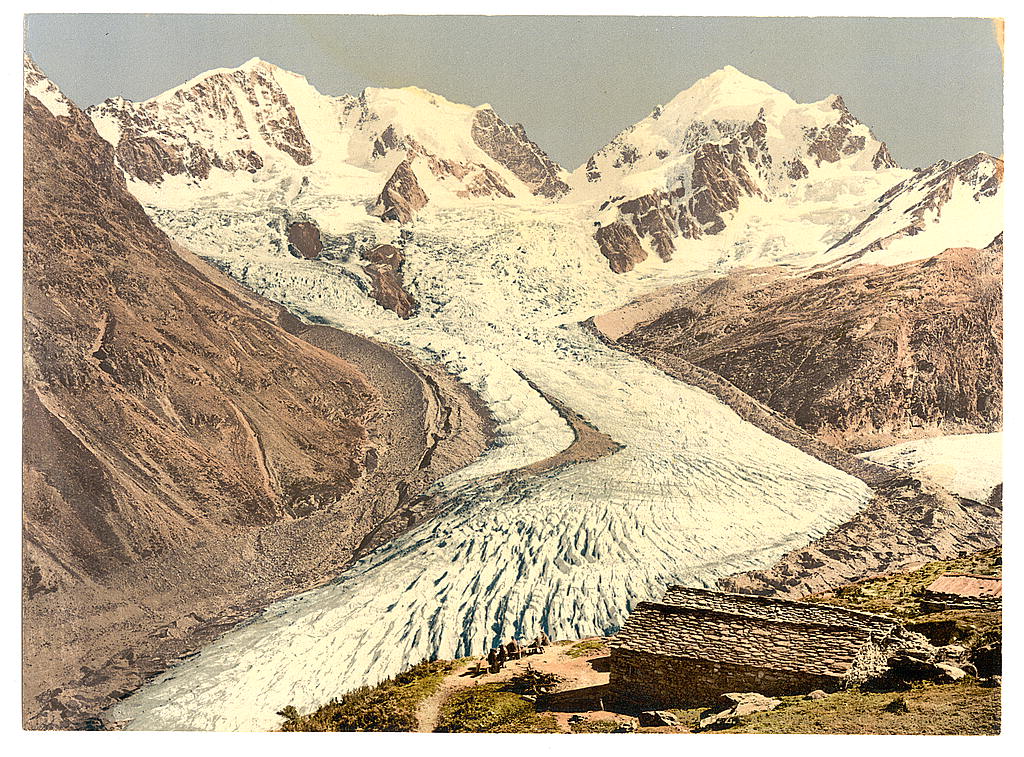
x,y
696,644
964,591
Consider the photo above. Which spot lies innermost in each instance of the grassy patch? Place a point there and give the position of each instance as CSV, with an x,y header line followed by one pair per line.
x,y
388,706
594,726
487,708
587,648
928,709
899,594
968,628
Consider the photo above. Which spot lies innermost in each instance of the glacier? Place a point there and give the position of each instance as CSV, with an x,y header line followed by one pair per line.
x,y
694,494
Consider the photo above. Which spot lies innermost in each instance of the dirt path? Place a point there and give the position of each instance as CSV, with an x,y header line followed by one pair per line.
x,y
582,689
429,712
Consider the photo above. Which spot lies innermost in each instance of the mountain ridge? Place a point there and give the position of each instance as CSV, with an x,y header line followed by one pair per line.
x,y
695,168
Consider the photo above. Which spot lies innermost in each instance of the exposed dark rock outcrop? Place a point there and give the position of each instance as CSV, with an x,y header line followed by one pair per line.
x,y
510,146
402,195
883,158
385,271
304,240
620,244
722,174
832,143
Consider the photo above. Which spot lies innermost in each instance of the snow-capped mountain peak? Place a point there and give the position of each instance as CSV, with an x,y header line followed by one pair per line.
x,y
44,90
727,92
263,122
684,171
257,62
726,164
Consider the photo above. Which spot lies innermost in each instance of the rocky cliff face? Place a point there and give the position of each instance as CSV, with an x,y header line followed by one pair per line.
x,y
861,357
402,195
620,244
722,174
510,146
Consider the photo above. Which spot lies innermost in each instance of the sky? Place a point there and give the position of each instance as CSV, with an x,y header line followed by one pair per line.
x,y
930,88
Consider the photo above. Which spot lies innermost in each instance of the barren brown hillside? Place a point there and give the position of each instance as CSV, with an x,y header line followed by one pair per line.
x,y
186,459
862,357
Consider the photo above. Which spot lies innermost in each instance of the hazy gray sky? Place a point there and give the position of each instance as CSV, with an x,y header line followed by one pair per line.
x,y
931,88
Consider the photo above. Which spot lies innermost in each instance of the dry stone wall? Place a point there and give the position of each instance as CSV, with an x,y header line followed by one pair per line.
x,y
658,681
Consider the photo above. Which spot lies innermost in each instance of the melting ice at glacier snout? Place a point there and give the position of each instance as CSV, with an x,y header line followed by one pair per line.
x,y
695,493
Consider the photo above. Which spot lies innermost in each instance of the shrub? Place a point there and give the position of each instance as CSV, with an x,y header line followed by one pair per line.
x,y
388,706
898,705
594,726
487,708
588,647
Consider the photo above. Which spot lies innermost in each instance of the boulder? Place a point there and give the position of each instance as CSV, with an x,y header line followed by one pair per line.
x,y
654,718
734,706
816,694
750,700
628,727
908,667
951,653
948,673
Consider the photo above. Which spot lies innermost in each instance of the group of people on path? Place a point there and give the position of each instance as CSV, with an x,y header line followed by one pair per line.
x,y
514,650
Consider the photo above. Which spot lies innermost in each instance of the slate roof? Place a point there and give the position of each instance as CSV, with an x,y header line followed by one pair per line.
x,y
967,585
770,608
762,632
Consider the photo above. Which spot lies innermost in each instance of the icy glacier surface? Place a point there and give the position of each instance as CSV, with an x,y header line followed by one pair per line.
x,y
695,493
968,465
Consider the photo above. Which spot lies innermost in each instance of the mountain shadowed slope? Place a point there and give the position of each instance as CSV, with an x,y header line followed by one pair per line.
x,y
862,357
186,458
158,404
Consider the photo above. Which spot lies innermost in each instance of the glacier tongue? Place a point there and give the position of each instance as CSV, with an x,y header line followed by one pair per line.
x,y
694,494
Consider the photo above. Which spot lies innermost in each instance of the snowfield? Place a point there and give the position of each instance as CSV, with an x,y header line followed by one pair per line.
x,y
968,465
695,494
